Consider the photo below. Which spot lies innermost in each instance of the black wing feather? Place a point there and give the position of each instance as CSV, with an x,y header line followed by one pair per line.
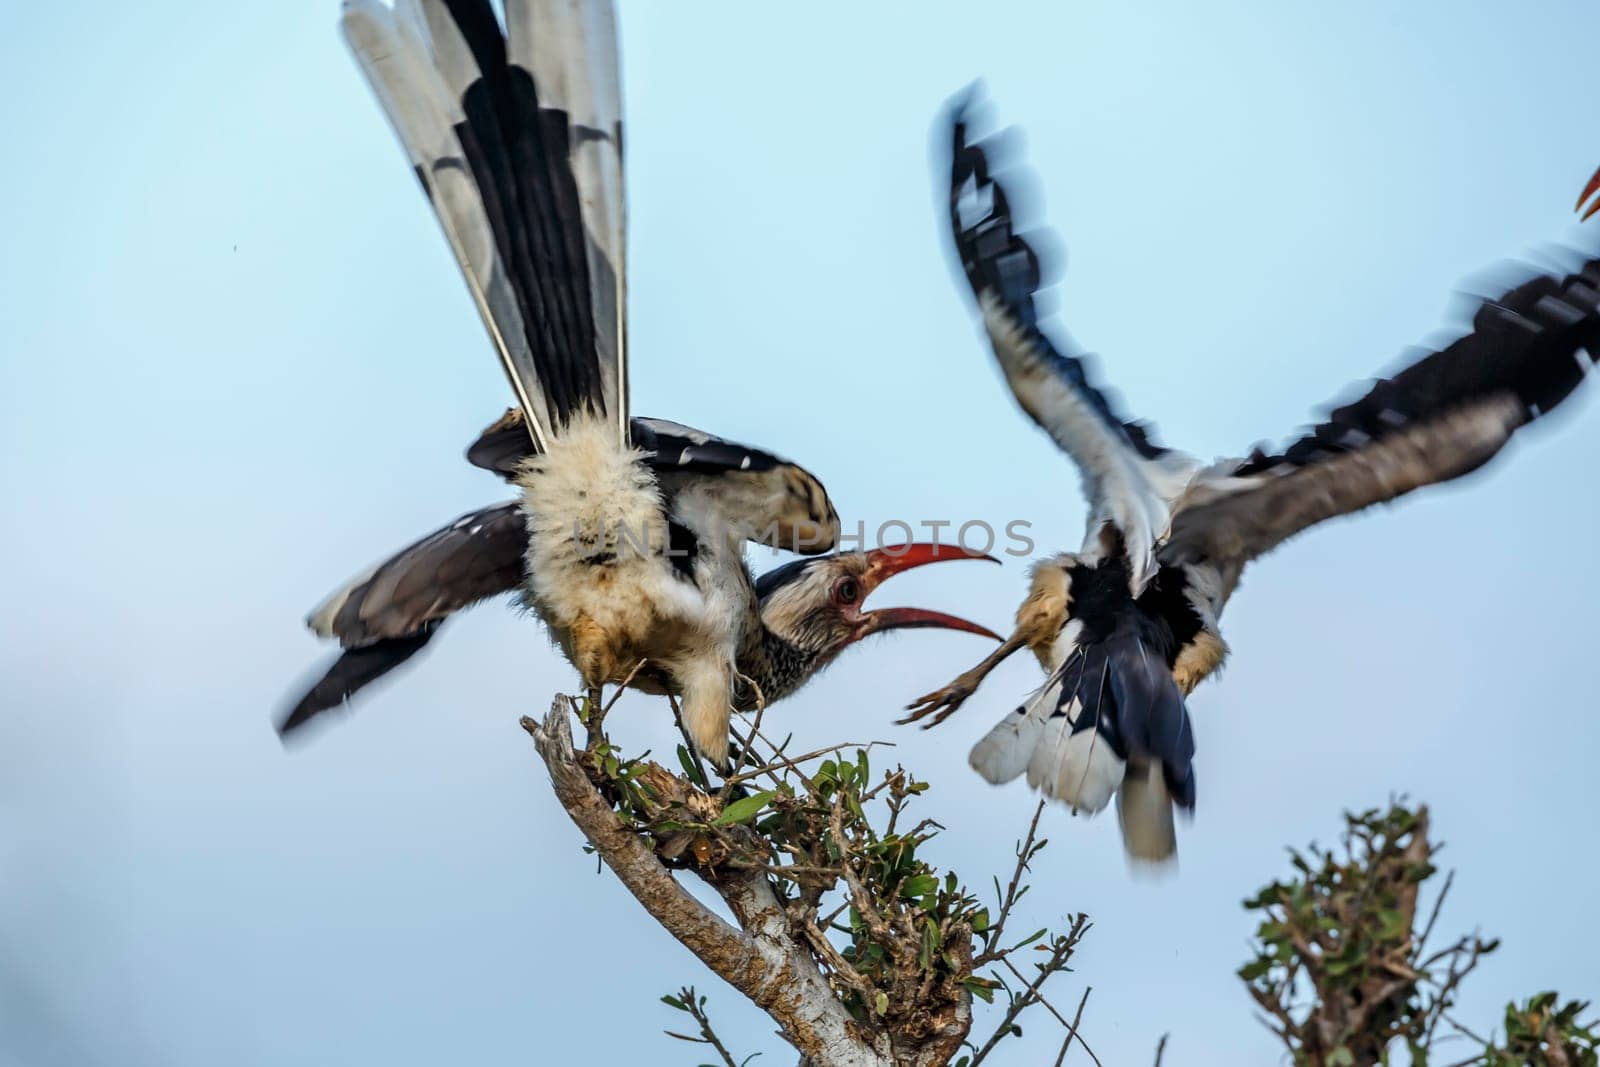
x,y
354,670
996,258
668,446
1440,418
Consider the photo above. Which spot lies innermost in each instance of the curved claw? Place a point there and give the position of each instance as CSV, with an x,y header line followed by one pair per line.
x,y
1589,191
941,703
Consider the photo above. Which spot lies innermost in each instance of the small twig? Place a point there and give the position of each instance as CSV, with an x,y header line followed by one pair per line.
x,y
787,763
623,688
1453,1022
1453,978
708,1036
745,744
1008,899
1433,916
1161,1048
1072,1032
1030,993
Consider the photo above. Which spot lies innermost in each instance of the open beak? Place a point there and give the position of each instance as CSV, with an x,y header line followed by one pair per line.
x,y
1589,191
884,563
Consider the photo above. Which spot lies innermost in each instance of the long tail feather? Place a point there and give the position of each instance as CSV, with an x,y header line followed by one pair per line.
x,y
1144,812
1110,722
498,166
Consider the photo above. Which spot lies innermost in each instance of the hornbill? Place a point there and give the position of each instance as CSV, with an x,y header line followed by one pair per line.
x,y
1127,626
805,612
515,135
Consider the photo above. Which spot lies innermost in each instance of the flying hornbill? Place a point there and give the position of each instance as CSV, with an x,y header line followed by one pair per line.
x,y
516,137
1127,626
806,612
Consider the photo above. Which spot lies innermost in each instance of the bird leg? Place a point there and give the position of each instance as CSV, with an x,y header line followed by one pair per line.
x,y
706,710
596,717
591,653
947,700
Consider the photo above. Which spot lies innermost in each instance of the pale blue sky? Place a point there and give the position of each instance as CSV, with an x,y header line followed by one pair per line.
x,y
236,364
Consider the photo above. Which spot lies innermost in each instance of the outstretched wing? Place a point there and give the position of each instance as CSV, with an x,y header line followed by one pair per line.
x,y
1442,417
517,141
386,615
1131,481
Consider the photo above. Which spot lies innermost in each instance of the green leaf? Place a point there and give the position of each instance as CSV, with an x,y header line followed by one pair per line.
x,y
880,1003
921,885
690,771
743,810
674,1002
1030,939
979,987
980,920
1341,1057
1255,968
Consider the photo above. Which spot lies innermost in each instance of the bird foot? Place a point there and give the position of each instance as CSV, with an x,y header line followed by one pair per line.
x,y
941,703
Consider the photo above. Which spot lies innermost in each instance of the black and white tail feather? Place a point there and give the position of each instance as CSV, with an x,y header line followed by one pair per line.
x,y
516,138
1110,721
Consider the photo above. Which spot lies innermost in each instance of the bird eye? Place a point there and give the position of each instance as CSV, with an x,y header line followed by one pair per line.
x,y
847,591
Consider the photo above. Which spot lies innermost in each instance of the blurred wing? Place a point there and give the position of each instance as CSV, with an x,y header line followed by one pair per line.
x,y
385,616
353,671
515,177
478,556
1440,418
1130,481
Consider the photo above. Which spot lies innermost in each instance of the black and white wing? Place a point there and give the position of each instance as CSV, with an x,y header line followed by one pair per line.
x,y
778,501
516,137
1440,418
386,615
503,446
1131,482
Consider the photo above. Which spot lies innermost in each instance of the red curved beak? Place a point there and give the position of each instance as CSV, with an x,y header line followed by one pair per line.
x,y
1589,191
886,562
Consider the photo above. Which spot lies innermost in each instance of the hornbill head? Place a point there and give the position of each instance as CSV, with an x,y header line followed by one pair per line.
x,y
816,605
1590,190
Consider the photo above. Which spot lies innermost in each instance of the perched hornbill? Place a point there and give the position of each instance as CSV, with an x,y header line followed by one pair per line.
x,y
1127,626
805,612
516,137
